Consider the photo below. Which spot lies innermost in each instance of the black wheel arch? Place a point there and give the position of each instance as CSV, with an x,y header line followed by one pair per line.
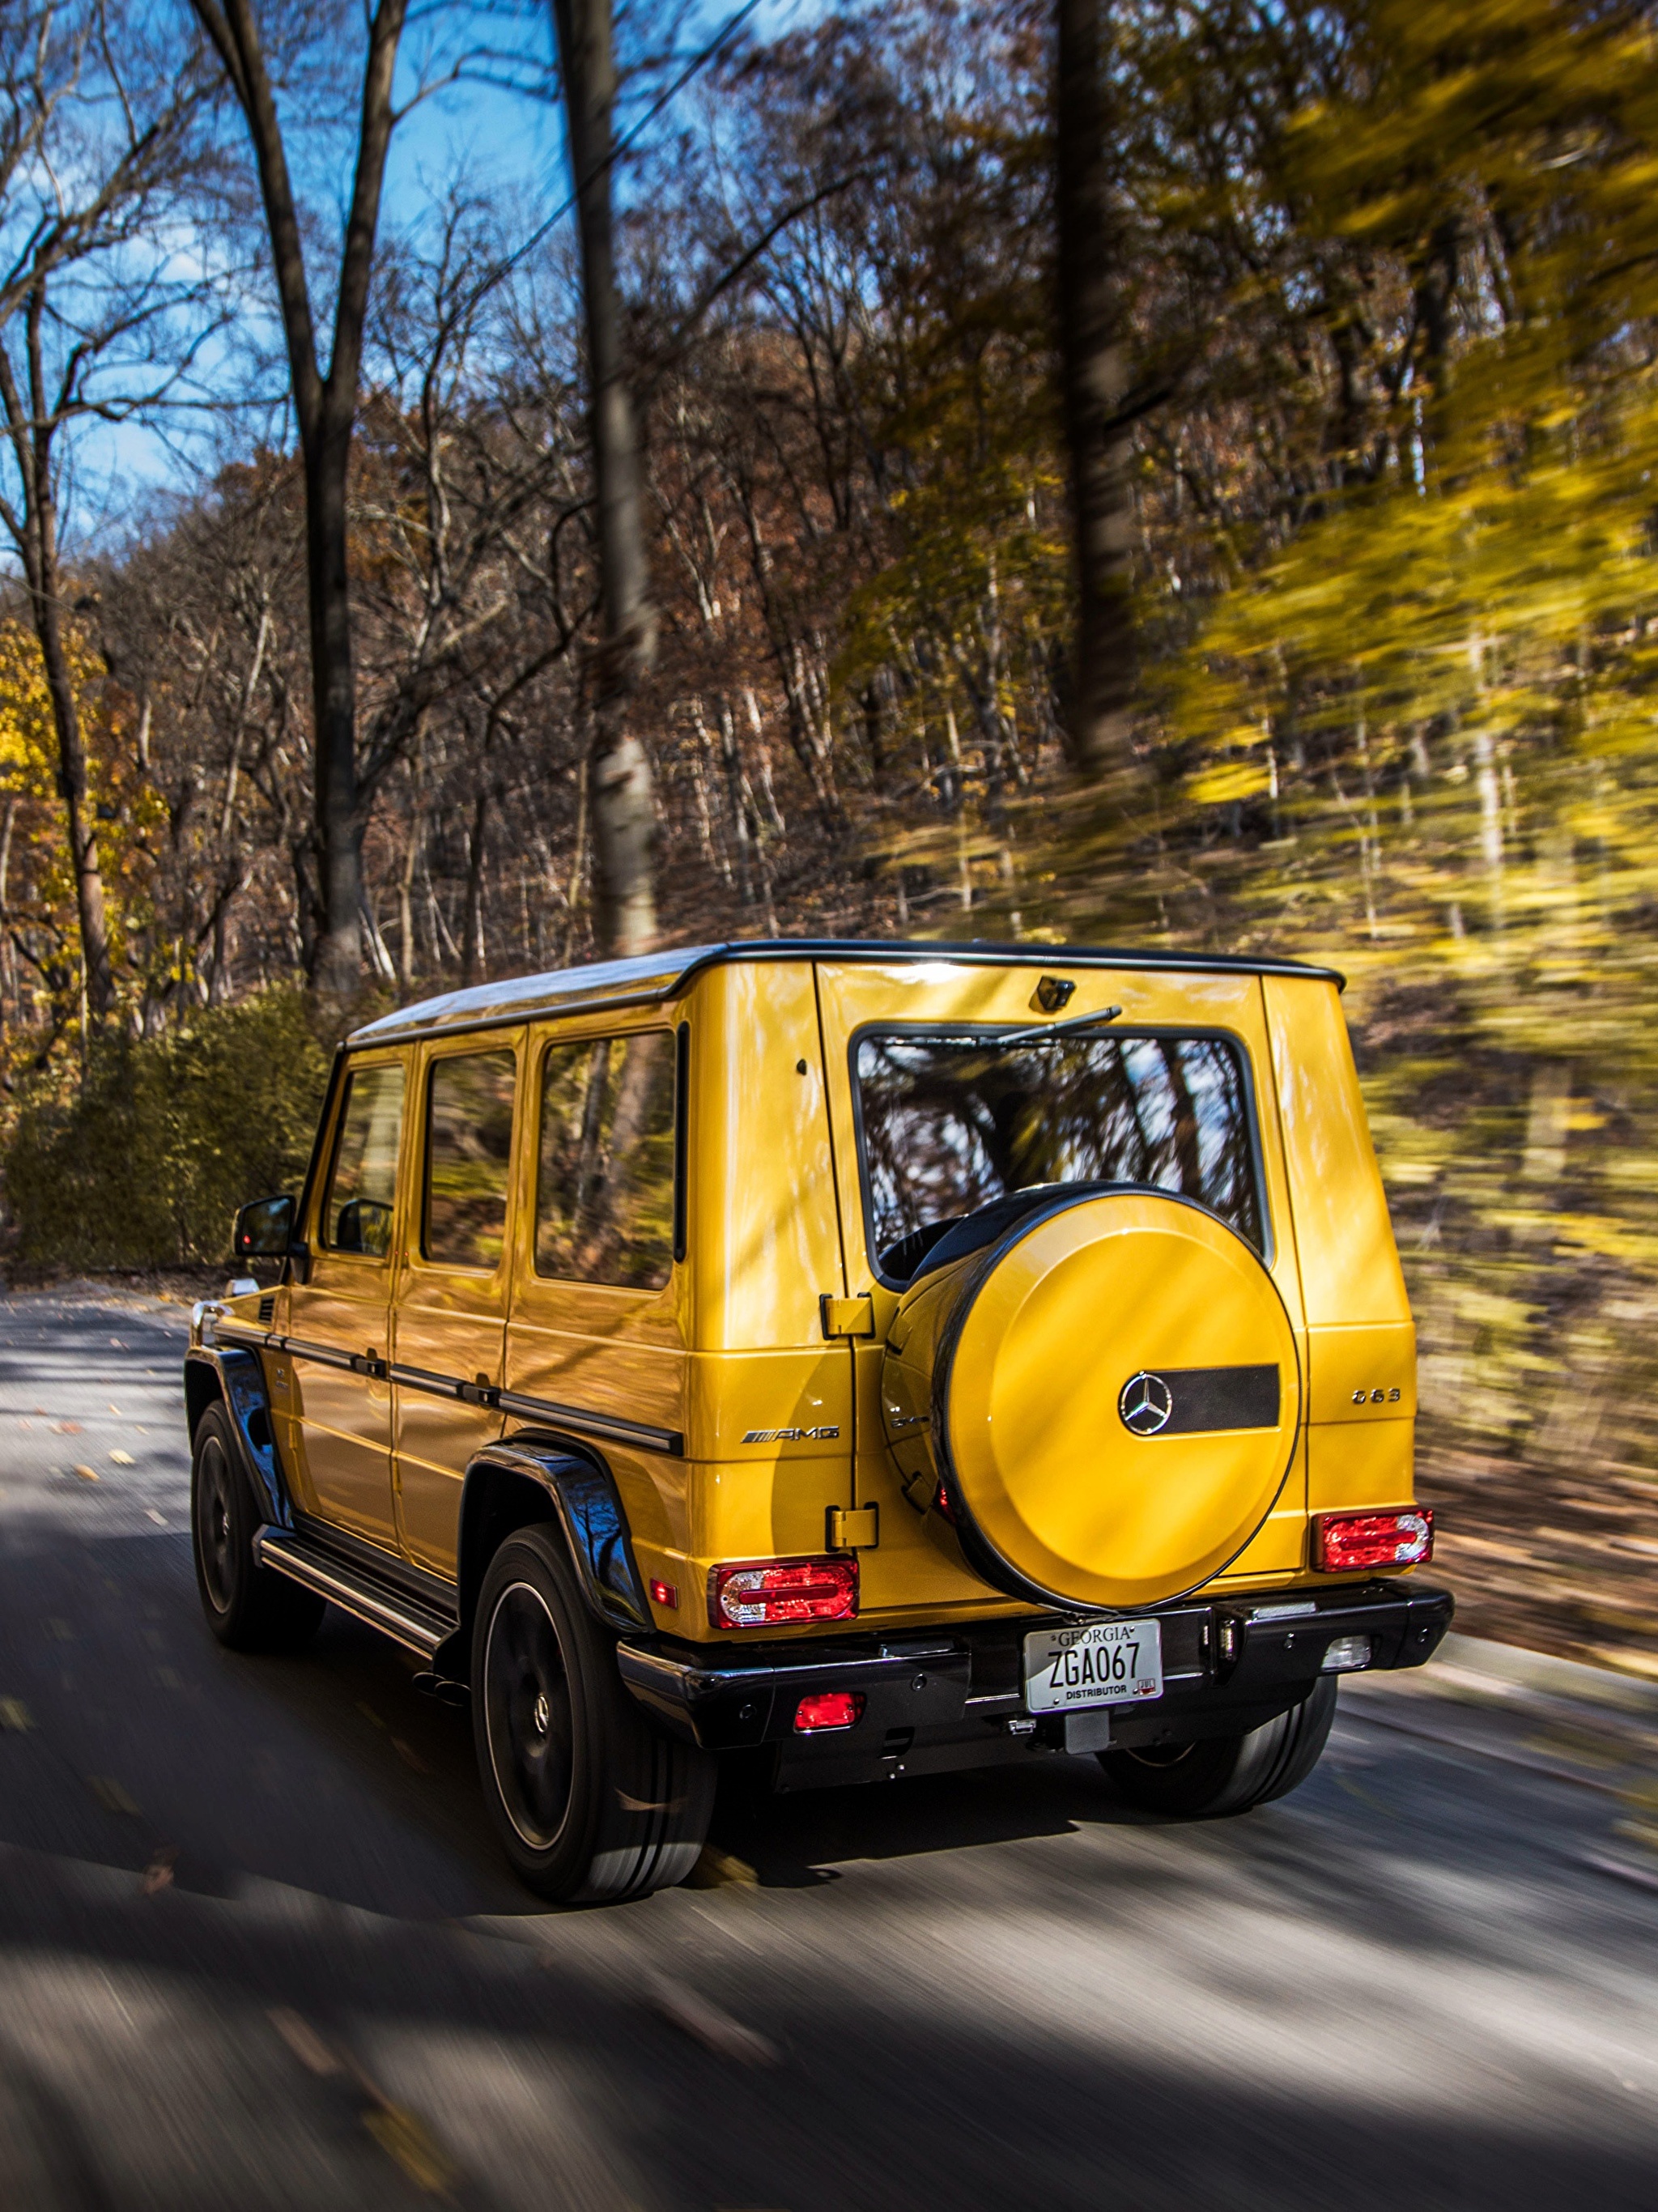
x,y
231,1376
530,1478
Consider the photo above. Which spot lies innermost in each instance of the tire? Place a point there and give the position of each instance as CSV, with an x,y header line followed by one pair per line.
x,y
1229,1773
248,1607
591,1803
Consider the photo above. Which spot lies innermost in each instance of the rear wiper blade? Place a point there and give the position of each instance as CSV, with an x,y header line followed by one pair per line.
x,y
1036,1033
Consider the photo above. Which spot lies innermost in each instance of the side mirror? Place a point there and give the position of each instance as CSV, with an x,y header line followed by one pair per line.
x,y
265,1230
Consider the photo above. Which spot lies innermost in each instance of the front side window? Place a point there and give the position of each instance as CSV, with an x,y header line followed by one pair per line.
x,y
469,1157
362,1183
950,1125
606,1176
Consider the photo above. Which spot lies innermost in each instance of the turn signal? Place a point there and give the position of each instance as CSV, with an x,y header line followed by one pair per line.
x,y
782,1593
830,1709
1342,1541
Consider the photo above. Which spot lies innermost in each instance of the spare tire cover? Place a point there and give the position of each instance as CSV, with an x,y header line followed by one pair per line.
x,y
1103,1404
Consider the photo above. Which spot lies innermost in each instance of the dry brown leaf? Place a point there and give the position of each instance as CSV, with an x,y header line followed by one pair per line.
x,y
303,2040
110,1793
718,1870
407,2141
14,1715
676,2001
158,1874
124,1459
86,1473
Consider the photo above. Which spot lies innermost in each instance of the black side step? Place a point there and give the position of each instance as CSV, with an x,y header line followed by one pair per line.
x,y
355,1589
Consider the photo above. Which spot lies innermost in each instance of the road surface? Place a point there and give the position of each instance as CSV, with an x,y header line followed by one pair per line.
x,y
257,1948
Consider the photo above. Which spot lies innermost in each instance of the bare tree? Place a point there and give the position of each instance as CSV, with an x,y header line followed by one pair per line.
x,y
326,407
90,323
623,795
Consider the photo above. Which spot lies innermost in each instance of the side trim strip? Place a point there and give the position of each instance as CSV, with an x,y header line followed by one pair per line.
x,y
402,1619
608,1427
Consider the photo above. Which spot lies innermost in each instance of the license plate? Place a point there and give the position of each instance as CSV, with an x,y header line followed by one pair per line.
x,y
1108,1662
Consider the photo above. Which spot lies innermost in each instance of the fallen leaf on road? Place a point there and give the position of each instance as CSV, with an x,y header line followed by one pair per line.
x,y
156,1517
86,1473
110,1793
67,1428
303,2040
408,2142
709,2025
158,1874
114,1409
409,1756
718,1870
124,1459
368,1713
14,1715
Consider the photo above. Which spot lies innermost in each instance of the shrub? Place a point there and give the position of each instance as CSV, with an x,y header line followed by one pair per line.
x,y
145,1166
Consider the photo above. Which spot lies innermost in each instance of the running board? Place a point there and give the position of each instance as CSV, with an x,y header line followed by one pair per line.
x,y
357,1590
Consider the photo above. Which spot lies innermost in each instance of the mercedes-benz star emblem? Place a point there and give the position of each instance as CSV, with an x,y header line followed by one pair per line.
x,y
1145,1404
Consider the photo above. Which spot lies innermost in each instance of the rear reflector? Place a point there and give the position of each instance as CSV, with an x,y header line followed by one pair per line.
x,y
1342,1541
663,1593
782,1593
830,1709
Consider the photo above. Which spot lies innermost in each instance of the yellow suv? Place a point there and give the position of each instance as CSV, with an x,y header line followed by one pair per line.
x,y
879,1358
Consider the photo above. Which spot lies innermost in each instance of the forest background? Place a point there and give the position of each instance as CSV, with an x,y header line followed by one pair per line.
x,y
1382,284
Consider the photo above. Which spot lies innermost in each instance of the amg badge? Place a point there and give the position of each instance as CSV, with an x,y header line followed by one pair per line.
x,y
791,1436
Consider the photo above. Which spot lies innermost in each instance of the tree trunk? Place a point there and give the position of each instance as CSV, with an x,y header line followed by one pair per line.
x,y
325,410
624,793
336,957
1094,384
472,960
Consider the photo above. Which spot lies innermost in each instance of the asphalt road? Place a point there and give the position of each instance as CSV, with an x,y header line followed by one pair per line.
x,y
256,1949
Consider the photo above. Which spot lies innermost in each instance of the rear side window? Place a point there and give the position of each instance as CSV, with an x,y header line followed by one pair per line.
x,y
362,1181
604,1182
469,1157
949,1125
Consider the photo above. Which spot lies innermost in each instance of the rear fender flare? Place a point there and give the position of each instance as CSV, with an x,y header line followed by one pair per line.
x,y
527,1478
232,1377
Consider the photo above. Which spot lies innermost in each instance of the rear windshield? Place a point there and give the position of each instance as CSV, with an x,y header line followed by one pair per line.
x,y
951,1124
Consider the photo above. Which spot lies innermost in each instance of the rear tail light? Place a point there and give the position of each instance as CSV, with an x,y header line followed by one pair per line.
x,y
830,1709
782,1593
1342,1541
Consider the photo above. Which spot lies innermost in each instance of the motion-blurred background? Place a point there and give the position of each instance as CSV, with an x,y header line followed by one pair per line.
x,y
1318,341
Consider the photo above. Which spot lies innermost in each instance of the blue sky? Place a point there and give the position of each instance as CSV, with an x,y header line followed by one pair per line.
x,y
505,143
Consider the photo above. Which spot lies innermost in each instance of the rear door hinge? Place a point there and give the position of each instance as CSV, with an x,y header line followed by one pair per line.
x,y
853,1528
847,1317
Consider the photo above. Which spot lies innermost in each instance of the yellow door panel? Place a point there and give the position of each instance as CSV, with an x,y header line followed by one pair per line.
x,y
343,1307
451,1320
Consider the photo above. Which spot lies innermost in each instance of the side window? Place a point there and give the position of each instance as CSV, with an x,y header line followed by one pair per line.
x,y
469,1157
362,1181
604,1184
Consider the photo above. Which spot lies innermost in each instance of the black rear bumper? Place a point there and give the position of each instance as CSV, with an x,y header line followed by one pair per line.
x,y
947,1698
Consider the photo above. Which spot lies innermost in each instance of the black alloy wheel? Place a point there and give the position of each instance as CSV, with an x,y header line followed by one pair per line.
x,y
1228,1774
526,1692
247,1607
591,1801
